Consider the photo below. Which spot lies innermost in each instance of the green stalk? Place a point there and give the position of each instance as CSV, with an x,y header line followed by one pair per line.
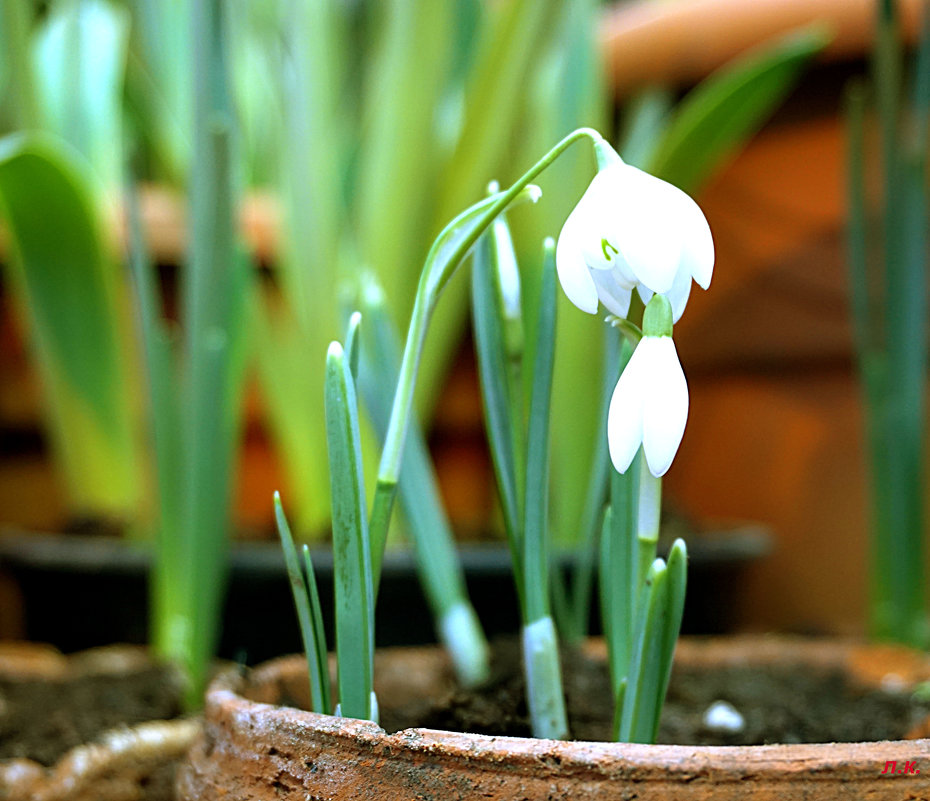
x,y
352,569
437,562
446,254
597,493
620,589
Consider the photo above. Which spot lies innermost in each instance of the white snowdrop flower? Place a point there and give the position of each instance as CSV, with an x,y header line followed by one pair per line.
x,y
649,406
631,230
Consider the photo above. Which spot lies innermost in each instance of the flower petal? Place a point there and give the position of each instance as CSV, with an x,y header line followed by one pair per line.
x,y
643,228
614,296
574,275
625,415
665,403
697,251
678,294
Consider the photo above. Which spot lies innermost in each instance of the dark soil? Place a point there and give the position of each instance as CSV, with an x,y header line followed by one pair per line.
x,y
790,704
42,719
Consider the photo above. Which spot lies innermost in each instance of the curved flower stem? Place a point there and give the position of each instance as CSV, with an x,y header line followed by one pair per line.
x,y
428,291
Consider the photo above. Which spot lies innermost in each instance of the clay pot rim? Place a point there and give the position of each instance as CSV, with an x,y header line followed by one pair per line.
x,y
225,702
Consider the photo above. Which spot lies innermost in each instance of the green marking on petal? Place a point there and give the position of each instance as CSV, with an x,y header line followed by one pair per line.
x,y
604,248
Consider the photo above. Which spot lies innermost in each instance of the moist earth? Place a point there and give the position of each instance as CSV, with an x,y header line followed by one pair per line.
x,y
783,704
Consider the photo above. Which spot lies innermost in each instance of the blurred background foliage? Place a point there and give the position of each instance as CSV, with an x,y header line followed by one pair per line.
x,y
368,124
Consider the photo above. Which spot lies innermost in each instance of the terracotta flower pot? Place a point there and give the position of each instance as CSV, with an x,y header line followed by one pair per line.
x,y
252,749
48,702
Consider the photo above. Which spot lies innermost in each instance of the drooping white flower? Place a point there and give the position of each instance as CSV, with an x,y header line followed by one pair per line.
x,y
631,230
649,406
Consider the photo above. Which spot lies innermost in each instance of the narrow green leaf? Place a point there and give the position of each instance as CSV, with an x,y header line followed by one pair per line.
x,y
677,567
317,613
535,519
351,549
314,639
215,309
164,415
498,388
639,721
496,391
67,280
352,343
728,107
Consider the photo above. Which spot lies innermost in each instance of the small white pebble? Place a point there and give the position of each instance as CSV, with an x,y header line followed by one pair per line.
x,y
893,683
723,717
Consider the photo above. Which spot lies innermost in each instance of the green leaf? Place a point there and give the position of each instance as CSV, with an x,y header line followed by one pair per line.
x,y
536,496
306,602
639,720
351,548
677,567
496,392
729,106
67,280
352,343
80,61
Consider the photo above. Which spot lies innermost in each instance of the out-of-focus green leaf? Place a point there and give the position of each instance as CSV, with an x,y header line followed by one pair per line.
x,y
729,106
399,157
68,283
159,87
80,62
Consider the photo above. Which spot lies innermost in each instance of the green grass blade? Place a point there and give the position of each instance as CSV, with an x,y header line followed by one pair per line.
x,y
351,549
80,63
438,566
314,639
535,561
64,276
727,108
